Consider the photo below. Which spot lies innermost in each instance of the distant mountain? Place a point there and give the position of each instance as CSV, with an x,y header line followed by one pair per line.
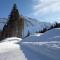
x,y
30,25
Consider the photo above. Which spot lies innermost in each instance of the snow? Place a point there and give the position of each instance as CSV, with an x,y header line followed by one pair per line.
x,y
36,34
51,33
11,51
33,26
46,46
47,36
34,47
12,39
45,50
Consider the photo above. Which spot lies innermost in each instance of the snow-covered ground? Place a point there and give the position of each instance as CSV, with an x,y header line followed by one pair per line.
x,y
43,50
46,46
34,47
10,50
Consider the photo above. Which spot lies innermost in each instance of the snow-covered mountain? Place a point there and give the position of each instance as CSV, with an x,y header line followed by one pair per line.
x,y
32,25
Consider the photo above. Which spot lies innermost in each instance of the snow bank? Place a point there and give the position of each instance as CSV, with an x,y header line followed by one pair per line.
x,y
10,50
12,40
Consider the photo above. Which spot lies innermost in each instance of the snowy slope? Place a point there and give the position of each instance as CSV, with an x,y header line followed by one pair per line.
x,y
44,50
46,46
47,36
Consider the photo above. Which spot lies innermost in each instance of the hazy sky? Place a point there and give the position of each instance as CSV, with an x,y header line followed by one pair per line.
x,y
43,10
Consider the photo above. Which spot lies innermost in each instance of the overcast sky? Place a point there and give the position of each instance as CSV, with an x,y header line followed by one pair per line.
x,y
43,10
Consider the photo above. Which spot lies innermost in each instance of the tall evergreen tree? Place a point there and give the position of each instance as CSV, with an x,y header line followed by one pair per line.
x,y
14,14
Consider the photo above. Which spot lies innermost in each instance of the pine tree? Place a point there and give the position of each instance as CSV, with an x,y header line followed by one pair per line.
x,y
13,17
14,14
28,34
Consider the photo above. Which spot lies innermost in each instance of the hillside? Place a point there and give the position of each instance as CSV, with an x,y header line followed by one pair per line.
x,y
47,36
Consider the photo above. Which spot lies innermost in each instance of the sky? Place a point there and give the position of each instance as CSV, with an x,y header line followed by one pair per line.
x,y
42,10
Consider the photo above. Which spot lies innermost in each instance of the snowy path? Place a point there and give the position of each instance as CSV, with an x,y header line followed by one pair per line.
x,y
10,51
13,50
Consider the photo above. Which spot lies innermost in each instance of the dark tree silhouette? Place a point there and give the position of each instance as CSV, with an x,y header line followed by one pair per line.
x,y
13,27
14,15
